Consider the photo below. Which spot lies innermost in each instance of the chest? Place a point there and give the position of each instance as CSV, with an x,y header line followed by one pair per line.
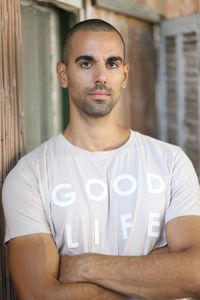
x,y
104,206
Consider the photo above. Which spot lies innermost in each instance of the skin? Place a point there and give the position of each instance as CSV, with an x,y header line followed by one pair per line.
x,y
171,273
94,114
37,271
34,268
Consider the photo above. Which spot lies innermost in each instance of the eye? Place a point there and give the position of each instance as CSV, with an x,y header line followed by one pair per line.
x,y
86,64
113,64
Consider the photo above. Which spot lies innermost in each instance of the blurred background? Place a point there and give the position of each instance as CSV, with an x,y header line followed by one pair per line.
x,y
162,42
162,98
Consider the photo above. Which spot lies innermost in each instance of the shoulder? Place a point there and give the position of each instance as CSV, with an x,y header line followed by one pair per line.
x,y
166,155
28,167
51,146
155,144
157,149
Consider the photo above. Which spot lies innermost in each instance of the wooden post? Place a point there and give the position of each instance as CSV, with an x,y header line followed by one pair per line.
x,y
12,142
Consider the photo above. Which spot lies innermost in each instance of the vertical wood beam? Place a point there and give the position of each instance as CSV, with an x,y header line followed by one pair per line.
x,y
180,113
12,143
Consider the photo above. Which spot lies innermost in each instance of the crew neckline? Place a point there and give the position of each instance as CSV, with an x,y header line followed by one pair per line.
x,y
97,153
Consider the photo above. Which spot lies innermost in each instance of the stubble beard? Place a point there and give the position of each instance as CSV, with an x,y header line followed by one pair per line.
x,y
95,108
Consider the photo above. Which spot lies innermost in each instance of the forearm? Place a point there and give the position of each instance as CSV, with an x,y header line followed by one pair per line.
x,y
85,291
166,276
52,289
34,266
163,276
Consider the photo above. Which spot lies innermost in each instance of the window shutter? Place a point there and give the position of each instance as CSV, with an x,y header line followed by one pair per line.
x,y
171,74
179,86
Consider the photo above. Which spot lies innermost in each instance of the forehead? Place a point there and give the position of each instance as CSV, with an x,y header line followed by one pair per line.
x,y
96,43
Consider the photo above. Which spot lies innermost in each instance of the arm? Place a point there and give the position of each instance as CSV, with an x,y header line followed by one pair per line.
x,y
34,267
167,275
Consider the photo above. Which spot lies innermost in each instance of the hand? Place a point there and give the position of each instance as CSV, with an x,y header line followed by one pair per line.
x,y
74,268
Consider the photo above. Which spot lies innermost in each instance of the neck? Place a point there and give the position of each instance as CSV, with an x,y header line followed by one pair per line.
x,y
96,134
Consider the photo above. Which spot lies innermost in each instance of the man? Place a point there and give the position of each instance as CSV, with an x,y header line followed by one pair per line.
x,y
101,212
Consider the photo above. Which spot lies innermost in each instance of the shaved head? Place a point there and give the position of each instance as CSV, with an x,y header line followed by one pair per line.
x,y
88,25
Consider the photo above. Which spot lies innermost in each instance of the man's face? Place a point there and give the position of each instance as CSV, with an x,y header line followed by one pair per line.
x,y
96,72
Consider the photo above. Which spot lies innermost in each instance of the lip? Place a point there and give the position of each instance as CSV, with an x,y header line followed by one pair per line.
x,y
99,96
99,93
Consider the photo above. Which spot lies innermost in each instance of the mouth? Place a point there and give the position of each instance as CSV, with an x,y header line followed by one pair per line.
x,y
99,94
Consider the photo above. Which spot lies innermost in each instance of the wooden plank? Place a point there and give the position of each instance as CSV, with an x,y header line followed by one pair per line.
x,y
198,100
180,91
11,100
130,8
161,98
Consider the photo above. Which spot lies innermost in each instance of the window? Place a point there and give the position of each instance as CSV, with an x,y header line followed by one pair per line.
x,y
45,102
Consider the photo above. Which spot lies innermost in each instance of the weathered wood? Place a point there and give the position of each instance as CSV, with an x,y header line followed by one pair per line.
x,y
172,8
11,114
130,8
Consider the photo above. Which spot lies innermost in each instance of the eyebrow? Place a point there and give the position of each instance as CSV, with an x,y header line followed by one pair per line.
x,y
91,58
115,58
84,57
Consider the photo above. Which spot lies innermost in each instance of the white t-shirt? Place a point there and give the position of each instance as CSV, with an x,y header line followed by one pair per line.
x,y
110,202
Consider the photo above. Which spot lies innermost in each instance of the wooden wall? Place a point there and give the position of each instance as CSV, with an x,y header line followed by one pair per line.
x,y
11,114
173,8
136,108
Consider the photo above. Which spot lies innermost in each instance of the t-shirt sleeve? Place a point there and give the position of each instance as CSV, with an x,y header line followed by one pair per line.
x,y
185,190
22,203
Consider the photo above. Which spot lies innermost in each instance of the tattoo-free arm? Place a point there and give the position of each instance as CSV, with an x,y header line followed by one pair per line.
x,y
169,275
34,267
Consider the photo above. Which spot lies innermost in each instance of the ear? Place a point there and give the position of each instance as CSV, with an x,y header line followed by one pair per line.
x,y
61,70
126,70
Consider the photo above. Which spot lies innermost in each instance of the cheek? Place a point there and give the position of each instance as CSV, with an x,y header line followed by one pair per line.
x,y
74,81
77,88
117,77
79,80
116,82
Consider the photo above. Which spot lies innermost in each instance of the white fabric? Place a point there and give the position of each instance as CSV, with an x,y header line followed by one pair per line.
x,y
111,202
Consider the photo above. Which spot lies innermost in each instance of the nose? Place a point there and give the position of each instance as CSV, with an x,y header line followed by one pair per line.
x,y
100,74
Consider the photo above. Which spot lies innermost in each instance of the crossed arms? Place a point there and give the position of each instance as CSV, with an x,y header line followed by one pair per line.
x,y
34,267
38,273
